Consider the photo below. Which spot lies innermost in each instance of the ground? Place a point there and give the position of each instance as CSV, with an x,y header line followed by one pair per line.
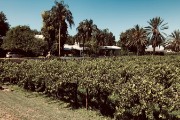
x,y
16,104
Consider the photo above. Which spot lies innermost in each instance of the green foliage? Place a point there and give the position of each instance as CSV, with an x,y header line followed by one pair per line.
x,y
39,47
93,48
134,39
70,40
92,37
133,88
4,25
174,41
55,24
22,38
154,31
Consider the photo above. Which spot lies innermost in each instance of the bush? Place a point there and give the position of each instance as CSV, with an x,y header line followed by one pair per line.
x,y
143,87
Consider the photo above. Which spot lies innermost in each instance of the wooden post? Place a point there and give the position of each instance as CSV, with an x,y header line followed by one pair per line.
x,y
76,94
87,96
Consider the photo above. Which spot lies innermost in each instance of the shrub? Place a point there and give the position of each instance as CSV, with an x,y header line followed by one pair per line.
x,y
124,87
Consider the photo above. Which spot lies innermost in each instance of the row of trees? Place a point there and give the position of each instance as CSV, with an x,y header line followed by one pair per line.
x,y
137,38
55,26
20,39
93,37
54,30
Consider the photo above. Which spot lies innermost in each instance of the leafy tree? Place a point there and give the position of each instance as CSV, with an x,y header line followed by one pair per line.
x,y
70,40
4,25
93,46
55,25
22,39
153,30
175,41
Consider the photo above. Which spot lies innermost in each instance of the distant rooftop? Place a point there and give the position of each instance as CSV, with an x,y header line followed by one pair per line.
x,y
111,47
39,37
158,49
76,46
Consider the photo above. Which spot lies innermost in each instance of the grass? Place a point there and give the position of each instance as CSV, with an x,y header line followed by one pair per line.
x,y
21,105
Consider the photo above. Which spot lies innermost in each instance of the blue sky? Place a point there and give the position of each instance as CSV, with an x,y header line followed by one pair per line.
x,y
116,15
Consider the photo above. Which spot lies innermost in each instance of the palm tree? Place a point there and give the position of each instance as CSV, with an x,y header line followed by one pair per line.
x,y
85,30
105,37
175,40
134,39
153,31
139,38
61,14
125,37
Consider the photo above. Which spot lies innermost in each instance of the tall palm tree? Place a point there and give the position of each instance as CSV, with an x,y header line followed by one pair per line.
x,y
153,31
175,40
61,15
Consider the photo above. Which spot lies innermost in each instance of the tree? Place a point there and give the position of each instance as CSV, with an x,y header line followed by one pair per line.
x,y
55,25
93,47
153,31
92,37
175,41
134,39
106,38
85,30
4,25
123,40
139,38
48,30
70,40
22,39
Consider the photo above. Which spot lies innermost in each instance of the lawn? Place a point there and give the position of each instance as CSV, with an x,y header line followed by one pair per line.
x,y
20,105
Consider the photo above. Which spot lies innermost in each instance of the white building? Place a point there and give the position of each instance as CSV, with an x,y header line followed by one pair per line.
x,y
39,37
76,47
158,50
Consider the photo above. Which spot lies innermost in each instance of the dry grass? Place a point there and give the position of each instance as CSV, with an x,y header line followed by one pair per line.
x,y
19,105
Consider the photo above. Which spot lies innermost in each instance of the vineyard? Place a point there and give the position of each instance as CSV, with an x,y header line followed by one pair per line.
x,y
137,88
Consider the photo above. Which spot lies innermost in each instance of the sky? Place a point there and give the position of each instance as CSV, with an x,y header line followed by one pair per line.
x,y
116,15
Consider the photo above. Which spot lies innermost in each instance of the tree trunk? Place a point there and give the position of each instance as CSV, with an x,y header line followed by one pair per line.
x,y
137,50
154,50
83,46
60,39
154,45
